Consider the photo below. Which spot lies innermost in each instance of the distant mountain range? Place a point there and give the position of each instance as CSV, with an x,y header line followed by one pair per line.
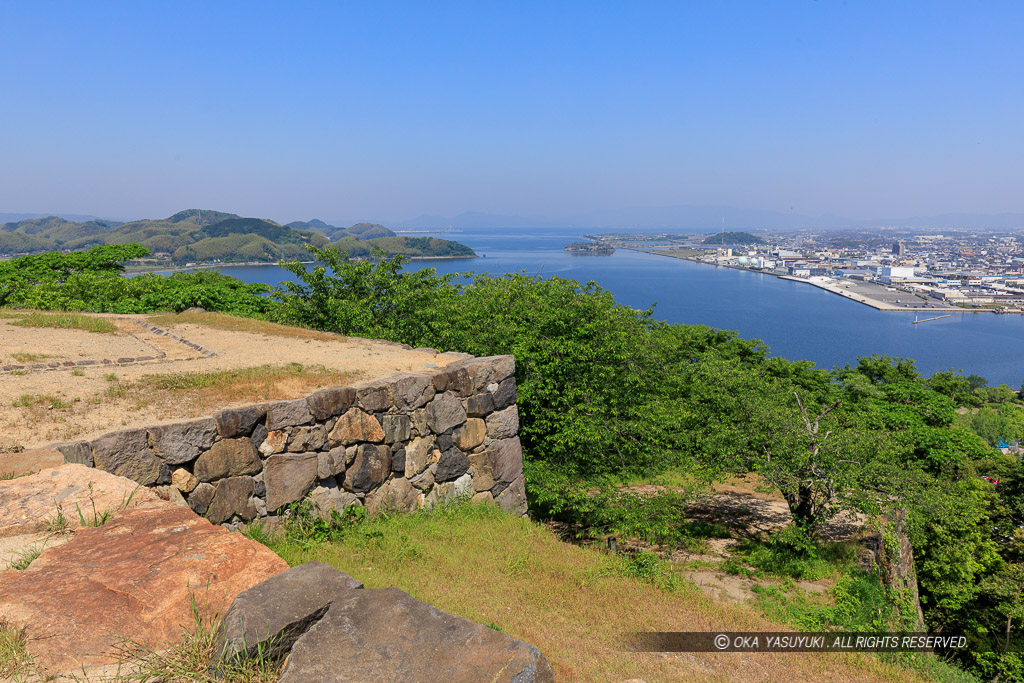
x,y
203,236
710,219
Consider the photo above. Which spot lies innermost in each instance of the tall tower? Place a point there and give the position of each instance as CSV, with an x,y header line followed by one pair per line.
x,y
898,248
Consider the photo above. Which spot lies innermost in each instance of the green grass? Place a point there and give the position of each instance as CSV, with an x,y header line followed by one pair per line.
x,y
15,661
29,400
31,357
74,321
27,557
571,602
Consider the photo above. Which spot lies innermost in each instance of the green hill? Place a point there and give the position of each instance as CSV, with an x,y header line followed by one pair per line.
x,y
733,238
204,236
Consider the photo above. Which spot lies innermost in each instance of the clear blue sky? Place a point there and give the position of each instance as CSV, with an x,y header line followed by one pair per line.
x,y
384,111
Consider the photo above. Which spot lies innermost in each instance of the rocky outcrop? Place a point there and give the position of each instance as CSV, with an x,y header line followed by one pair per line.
x,y
332,629
31,503
133,578
889,555
406,441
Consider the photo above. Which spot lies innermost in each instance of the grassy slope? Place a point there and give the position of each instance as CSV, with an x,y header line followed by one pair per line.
x,y
573,603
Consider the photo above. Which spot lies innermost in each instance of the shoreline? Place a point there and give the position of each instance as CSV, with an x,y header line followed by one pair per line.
x,y
234,264
857,298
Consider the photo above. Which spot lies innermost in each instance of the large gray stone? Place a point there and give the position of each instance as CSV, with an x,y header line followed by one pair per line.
x,y
452,465
328,499
329,402
227,458
503,424
396,494
78,452
182,442
505,395
513,498
235,422
445,412
506,459
472,376
127,453
288,478
417,455
483,478
412,391
480,405
232,497
331,463
397,428
288,414
385,634
373,396
310,438
201,497
269,617
371,467
356,426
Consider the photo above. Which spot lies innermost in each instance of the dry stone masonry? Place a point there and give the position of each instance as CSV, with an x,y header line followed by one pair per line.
x,y
404,442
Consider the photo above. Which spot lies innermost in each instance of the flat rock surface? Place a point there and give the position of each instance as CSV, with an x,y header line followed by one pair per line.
x,y
133,578
29,504
385,634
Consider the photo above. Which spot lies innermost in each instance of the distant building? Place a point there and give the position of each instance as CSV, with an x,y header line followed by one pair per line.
x,y
898,249
896,272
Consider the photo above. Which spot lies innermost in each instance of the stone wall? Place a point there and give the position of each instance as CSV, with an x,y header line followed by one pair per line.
x,y
403,442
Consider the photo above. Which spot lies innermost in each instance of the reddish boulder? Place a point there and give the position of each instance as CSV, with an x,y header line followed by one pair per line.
x,y
132,578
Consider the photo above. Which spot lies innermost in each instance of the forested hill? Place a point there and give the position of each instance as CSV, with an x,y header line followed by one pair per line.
x,y
203,236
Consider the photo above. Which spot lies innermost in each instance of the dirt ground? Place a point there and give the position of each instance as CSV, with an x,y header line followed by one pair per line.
x,y
38,407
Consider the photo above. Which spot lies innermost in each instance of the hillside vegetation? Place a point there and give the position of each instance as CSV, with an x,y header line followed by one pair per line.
x,y
608,394
201,236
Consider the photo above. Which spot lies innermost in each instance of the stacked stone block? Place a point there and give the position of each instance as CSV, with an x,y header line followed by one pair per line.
x,y
404,442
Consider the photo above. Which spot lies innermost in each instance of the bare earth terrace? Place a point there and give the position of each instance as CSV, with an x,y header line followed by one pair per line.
x,y
59,381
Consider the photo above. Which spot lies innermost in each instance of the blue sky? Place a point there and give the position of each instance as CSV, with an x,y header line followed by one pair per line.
x,y
388,110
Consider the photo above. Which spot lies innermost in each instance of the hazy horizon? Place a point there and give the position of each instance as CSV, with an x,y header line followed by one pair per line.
x,y
387,112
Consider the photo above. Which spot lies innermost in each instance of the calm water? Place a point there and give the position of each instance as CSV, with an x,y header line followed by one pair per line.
x,y
797,321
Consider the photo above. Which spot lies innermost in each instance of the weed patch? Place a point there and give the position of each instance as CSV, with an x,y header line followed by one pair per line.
x,y
74,321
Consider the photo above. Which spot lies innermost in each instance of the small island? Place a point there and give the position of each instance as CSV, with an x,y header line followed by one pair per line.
x,y
599,248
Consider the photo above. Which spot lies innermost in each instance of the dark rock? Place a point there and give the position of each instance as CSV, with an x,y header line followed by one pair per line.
x,y
182,442
201,497
385,634
259,434
260,485
233,497
480,405
505,395
288,414
373,395
227,458
76,452
412,391
127,453
288,478
397,428
398,460
452,465
445,412
235,422
445,441
269,617
330,402
371,467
